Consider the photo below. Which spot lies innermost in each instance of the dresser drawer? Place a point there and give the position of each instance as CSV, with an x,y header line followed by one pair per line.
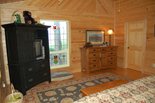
x,y
93,66
94,55
29,68
104,62
31,81
112,64
93,61
111,48
111,59
104,55
112,53
105,49
44,75
94,50
34,79
42,65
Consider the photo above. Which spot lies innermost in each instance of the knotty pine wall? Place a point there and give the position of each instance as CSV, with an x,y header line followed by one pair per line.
x,y
125,10
78,22
132,10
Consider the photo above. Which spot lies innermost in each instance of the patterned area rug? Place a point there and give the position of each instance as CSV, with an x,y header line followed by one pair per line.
x,y
58,76
69,92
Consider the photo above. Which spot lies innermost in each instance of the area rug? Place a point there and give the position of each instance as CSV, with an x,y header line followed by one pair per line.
x,y
69,92
58,76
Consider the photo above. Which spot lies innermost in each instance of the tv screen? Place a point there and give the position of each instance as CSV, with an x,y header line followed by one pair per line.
x,y
38,47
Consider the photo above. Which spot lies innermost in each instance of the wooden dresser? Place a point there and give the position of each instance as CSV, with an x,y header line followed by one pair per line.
x,y
97,58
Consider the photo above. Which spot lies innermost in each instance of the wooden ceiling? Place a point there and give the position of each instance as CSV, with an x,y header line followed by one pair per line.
x,y
87,7
8,1
78,6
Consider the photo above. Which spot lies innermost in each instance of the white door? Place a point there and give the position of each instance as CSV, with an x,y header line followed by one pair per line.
x,y
135,43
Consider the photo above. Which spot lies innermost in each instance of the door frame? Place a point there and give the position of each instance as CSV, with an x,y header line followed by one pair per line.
x,y
126,43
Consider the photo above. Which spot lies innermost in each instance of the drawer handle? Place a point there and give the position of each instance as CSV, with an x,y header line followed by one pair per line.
x,y
30,69
94,55
30,80
94,60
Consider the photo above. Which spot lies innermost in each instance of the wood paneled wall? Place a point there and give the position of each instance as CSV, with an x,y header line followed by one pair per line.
x,y
133,10
93,14
82,17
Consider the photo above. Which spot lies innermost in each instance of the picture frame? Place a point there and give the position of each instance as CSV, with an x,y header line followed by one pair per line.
x,y
95,36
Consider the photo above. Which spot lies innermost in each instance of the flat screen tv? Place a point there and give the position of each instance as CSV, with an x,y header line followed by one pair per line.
x,y
38,48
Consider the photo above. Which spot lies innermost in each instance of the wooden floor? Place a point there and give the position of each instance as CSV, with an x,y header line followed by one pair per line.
x,y
127,73
124,73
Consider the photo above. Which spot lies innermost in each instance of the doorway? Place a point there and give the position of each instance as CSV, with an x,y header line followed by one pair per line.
x,y
135,44
59,43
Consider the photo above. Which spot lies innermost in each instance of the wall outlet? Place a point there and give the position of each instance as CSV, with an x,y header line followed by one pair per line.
x,y
153,65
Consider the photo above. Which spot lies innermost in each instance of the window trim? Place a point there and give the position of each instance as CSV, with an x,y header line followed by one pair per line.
x,y
69,44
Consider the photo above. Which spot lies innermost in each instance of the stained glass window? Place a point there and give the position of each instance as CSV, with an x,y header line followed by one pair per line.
x,y
58,42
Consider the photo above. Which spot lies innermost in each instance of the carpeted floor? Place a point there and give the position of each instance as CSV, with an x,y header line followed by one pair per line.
x,y
69,92
58,76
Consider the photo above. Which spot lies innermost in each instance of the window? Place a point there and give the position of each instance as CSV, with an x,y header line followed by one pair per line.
x,y
58,42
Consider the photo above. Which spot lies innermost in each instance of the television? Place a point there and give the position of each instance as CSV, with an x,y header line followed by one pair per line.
x,y
39,49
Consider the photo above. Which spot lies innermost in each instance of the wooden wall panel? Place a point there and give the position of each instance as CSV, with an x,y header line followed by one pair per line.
x,y
4,78
79,22
82,15
132,10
